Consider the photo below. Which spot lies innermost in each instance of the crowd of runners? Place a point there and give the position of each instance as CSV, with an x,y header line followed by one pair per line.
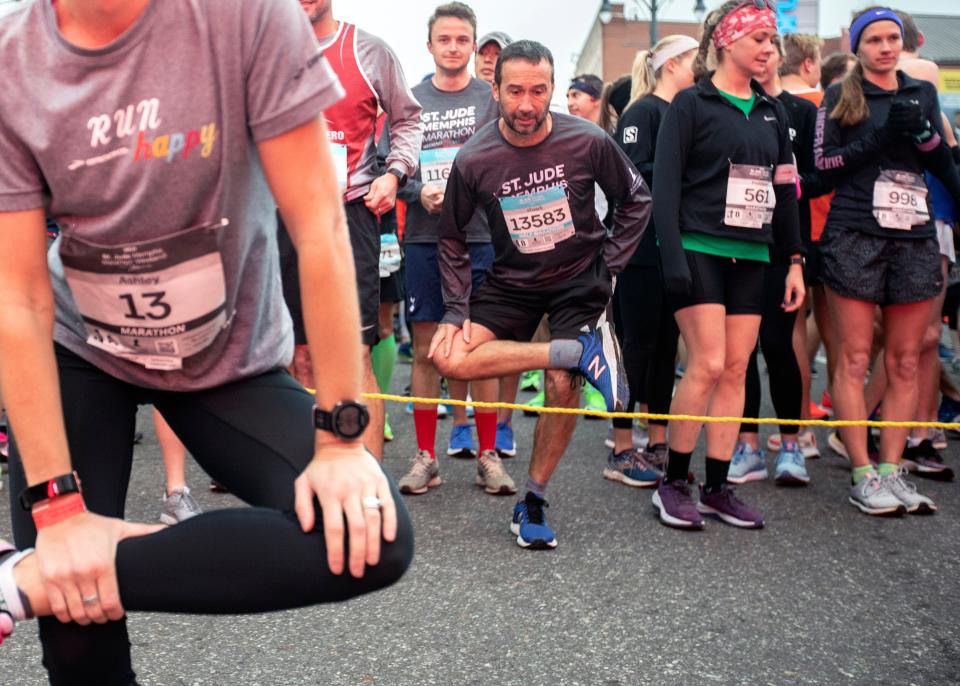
x,y
205,175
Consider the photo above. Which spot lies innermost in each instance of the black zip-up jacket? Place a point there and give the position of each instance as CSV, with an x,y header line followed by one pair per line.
x,y
701,135
637,136
802,116
852,157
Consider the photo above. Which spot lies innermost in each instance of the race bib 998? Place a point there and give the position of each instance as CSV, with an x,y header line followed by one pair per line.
x,y
900,200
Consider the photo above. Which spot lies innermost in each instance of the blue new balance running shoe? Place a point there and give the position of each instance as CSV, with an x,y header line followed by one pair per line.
x,y
602,365
530,524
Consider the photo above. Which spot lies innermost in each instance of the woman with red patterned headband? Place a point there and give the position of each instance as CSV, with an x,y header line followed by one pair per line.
x,y
725,179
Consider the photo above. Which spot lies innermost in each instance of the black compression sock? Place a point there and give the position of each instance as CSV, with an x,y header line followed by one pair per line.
x,y
678,466
716,474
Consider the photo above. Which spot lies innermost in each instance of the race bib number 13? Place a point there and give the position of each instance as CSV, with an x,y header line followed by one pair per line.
x,y
537,222
153,303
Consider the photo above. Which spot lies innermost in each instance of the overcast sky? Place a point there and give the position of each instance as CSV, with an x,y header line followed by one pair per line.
x,y
562,25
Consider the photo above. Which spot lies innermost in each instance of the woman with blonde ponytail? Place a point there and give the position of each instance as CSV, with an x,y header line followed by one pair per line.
x,y
726,194
648,330
877,132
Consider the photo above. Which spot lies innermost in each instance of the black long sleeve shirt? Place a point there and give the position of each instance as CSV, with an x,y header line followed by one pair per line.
x,y
853,157
701,136
637,136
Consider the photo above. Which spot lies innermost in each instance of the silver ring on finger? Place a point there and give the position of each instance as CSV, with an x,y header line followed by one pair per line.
x,y
91,600
371,502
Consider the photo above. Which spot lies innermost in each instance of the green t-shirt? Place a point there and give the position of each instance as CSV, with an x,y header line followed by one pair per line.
x,y
729,247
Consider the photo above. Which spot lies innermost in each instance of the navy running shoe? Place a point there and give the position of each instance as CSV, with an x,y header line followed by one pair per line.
x,y
601,364
530,524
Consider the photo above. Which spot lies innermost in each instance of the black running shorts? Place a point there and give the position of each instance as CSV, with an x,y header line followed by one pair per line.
x,y
884,271
735,284
514,313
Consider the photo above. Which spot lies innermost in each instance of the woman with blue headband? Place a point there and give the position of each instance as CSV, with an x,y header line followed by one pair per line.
x,y
877,132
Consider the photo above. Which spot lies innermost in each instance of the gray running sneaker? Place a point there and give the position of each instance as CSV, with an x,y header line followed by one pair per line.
x,y
423,475
874,498
179,506
491,476
906,493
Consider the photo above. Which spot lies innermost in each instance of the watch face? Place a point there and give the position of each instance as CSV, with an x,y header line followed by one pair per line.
x,y
349,421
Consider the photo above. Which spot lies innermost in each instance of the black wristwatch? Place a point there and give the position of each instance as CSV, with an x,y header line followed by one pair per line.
x,y
347,420
60,485
401,177
798,259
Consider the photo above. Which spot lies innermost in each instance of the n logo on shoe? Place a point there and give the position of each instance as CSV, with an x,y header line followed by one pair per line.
x,y
596,368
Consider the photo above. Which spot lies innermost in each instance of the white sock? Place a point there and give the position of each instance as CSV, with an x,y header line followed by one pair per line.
x,y
9,593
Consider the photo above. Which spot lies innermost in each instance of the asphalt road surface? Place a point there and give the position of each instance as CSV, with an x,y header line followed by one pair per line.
x,y
822,595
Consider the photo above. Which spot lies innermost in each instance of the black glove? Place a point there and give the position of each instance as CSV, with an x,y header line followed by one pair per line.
x,y
905,118
676,273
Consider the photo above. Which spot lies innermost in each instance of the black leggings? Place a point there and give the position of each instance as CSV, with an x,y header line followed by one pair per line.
x,y
649,335
776,341
254,436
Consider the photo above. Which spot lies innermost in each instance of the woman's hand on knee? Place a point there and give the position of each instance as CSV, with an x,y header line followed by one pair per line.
x,y
77,563
355,500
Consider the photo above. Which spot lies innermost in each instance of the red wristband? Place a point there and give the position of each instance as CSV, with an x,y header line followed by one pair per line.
x,y
55,510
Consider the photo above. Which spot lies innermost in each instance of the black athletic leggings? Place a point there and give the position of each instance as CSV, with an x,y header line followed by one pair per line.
x,y
255,437
776,341
649,340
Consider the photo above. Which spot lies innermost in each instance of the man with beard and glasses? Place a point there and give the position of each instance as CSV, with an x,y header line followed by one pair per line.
x,y
532,172
371,76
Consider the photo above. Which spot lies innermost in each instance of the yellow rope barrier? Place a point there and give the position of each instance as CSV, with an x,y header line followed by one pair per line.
x,y
664,417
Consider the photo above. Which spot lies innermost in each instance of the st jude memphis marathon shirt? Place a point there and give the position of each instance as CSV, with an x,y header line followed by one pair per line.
x,y
539,203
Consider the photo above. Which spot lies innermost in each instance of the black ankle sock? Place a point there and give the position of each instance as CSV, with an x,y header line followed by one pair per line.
x,y
678,466
716,474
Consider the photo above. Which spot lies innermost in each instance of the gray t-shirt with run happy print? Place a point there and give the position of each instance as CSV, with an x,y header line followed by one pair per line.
x,y
133,146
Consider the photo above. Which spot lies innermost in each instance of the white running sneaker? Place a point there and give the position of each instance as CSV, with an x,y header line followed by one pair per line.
x,y
872,497
906,493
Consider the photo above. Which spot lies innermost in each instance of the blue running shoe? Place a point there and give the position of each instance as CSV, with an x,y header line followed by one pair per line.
x,y
747,465
630,469
790,469
601,364
530,524
505,445
461,442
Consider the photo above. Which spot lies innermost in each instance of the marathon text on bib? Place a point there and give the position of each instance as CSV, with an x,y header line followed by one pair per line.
x,y
339,151
750,198
538,221
153,303
435,165
900,200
